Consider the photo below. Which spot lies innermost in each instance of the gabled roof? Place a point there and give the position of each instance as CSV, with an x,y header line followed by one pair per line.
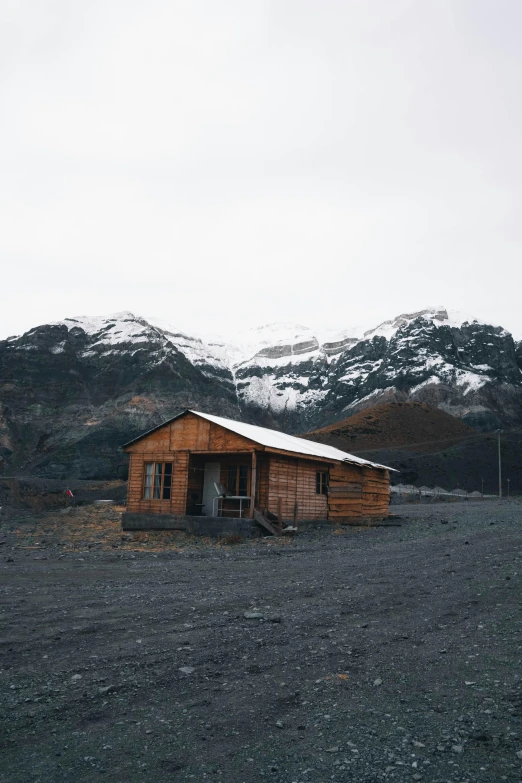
x,y
273,439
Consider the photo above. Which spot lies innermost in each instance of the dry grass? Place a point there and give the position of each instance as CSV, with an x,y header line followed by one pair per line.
x,y
90,527
233,538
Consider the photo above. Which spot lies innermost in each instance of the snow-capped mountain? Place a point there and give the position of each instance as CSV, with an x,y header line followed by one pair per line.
x,y
71,392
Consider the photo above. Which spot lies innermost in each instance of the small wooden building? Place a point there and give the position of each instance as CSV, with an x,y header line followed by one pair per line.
x,y
178,468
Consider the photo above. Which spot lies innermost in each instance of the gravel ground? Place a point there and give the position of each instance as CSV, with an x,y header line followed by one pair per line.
x,y
382,654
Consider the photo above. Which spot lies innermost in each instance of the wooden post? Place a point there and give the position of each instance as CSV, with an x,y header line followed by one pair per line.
x,y
253,484
296,512
280,512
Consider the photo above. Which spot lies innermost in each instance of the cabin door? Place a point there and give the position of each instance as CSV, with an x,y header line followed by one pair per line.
x,y
212,475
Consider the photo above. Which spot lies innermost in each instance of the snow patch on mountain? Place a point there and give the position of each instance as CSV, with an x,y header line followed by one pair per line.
x,y
470,381
438,316
261,360
433,380
269,393
278,344
368,398
291,367
114,329
194,347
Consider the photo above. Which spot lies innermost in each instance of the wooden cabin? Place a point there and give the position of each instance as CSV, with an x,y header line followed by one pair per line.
x,y
201,465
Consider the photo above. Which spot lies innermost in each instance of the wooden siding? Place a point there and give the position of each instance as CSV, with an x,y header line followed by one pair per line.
x,y
375,492
263,466
291,481
345,493
158,442
192,433
177,502
357,493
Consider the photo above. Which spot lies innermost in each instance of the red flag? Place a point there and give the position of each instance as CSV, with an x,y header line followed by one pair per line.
x,y
69,493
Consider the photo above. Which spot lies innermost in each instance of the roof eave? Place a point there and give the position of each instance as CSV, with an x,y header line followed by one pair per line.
x,y
370,465
155,429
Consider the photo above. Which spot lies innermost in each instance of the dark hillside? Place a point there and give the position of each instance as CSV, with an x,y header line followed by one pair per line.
x,y
429,447
462,465
395,425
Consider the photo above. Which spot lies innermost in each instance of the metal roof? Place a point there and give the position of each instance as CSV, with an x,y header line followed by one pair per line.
x,y
280,440
273,439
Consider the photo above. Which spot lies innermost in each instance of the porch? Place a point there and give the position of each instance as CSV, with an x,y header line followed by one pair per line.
x,y
234,474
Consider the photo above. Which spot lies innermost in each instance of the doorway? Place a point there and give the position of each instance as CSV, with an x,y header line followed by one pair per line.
x,y
211,476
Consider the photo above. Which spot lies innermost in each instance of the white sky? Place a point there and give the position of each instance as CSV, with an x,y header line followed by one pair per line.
x,y
227,163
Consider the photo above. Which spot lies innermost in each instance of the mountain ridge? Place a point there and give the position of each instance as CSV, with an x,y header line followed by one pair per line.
x,y
262,339
72,391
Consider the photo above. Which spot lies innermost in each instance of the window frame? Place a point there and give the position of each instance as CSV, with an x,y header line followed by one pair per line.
x,y
236,490
157,484
321,482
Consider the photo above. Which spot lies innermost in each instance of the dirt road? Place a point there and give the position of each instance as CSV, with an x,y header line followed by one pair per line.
x,y
389,654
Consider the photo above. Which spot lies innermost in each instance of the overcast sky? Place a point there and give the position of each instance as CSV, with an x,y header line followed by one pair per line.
x,y
227,163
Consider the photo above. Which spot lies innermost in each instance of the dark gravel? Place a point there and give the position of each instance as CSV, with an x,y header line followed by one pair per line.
x,y
387,654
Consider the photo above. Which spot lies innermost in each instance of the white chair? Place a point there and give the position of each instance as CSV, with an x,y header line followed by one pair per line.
x,y
221,493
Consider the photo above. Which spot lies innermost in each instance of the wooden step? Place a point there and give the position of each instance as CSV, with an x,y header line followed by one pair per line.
x,y
263,521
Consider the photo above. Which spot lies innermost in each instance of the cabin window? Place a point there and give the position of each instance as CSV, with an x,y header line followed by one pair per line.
x,y
321,483
157,481
237,480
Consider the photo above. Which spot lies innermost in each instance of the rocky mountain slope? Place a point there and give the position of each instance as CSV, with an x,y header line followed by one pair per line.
x,y
71,392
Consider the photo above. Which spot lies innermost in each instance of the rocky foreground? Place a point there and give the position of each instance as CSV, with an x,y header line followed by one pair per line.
x,y
381,654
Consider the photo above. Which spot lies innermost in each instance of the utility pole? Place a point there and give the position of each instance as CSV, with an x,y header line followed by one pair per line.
x,y
499,467
508,487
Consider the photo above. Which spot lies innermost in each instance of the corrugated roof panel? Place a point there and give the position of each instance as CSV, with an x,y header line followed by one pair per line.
x,y
280,440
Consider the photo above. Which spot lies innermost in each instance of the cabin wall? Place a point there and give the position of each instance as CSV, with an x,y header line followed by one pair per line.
x,y
191,433
177,502
375,492
345,493
263,468
293,480
172,443
158,442
357,493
